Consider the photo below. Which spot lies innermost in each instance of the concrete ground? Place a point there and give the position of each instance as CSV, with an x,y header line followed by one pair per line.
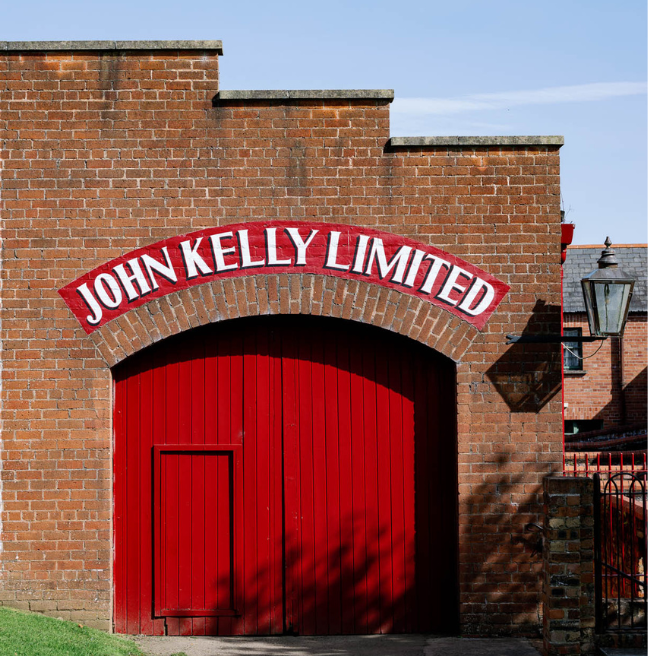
x,y
393,645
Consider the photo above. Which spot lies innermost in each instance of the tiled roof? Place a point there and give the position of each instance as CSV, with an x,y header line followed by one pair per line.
x,y
580,261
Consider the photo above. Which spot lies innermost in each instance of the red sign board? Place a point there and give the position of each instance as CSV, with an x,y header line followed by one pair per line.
x,y
350,252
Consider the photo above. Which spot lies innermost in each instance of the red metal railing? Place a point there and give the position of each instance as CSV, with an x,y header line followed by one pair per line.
x,y
605,464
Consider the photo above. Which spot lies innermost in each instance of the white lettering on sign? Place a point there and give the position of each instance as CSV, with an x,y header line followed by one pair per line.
x,y
94,319
488,294
450,284
282,246
432,273
136,276
300,245
165,270
332,252
219,253
193,262
398,262
360,254
244,247
414,268
271,245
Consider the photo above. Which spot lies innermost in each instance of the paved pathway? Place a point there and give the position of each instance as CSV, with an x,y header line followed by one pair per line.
x,y
395,645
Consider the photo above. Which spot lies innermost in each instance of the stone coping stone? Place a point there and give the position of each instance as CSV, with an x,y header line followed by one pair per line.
x,y
48,46
306,94
411,142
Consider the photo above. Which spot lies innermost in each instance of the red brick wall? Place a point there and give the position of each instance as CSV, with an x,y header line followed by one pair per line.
x,y
104,153
613,388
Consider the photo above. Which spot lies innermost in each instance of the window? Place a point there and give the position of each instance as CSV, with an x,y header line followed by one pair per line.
x,y
575,426
573,350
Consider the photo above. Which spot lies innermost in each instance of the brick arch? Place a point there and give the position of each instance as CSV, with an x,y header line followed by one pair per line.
x,y
283,294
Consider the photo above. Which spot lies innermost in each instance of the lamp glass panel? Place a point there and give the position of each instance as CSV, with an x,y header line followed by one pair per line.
x,y
611,300
591,315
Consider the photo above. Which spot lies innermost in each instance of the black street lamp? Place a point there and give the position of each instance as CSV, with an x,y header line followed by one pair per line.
x,y
607,292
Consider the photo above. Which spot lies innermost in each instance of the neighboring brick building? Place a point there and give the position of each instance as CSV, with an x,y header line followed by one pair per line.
x,y
111,147
605,393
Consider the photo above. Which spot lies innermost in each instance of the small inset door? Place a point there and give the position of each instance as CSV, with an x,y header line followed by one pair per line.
x,y
197,525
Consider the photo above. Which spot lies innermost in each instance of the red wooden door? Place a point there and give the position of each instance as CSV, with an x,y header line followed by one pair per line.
x,y
285,475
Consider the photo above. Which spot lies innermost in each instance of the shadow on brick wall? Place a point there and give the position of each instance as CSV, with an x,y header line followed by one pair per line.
x,y
627,407
502,557
527,376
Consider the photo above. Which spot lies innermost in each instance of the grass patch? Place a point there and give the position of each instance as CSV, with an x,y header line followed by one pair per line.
x,y
31,634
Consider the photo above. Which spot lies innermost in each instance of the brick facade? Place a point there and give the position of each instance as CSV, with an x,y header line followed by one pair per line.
x,y
106,150
612,387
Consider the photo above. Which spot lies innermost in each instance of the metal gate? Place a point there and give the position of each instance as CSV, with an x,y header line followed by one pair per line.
x,y
285,475
620,552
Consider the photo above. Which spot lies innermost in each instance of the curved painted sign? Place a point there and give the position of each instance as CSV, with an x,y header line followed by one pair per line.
x,y
350,252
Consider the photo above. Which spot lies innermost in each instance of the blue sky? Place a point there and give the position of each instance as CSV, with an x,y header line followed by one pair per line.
x,y
570,67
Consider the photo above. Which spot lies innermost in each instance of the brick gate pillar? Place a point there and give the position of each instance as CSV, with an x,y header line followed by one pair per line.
x,y
568,557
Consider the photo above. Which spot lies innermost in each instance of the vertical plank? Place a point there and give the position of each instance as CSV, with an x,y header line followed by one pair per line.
x,y
236,527
423,441
170,511
120,496
172,626
212,517
213,529
384,492
263,493
145,437
320,487
276,474
438,496
169,564
184,486
223,483
394,364
251,537
231,404
347,583
158,436
332,473
197,484
359,493
371,479
292,558
409,499
131,513
304,562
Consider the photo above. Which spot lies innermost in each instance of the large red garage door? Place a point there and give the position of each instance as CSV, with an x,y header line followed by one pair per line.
x,y
285,475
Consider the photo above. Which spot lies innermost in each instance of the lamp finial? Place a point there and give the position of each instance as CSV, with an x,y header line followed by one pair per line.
x,y
608,257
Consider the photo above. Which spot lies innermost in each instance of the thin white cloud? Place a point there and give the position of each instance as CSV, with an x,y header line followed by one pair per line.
x,y
505,100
